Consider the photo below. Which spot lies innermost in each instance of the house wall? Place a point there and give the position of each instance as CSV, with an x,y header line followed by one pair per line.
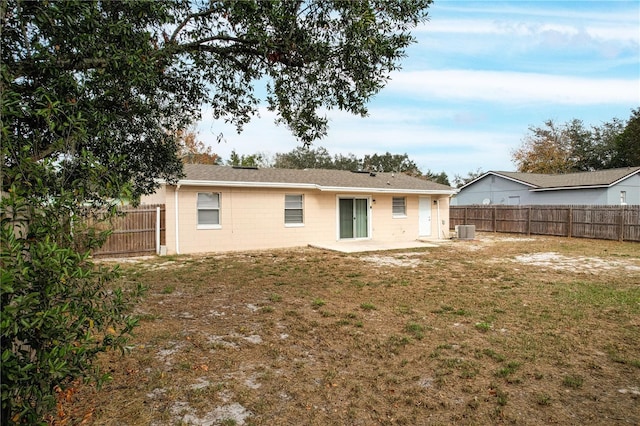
x,y
496,189
503,191
389,228
594,196
254,219
631,186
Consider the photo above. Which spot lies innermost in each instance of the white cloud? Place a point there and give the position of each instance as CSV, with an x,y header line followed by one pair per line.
x,y
601,12
625,32
481,73
515,87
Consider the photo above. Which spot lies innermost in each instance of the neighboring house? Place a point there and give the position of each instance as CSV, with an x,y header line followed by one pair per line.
x,y
222,208
602,187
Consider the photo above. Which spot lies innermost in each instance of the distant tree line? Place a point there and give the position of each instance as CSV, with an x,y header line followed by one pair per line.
x,y
549,148
570,147
574,147
306,157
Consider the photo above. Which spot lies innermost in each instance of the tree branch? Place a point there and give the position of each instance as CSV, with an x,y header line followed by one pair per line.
x,y
186,20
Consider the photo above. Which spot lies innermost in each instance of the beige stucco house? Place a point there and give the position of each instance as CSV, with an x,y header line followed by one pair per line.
x,y
222,208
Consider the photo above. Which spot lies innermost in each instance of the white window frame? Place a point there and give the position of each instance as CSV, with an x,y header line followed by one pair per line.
x,y
199,208
300,208
395,207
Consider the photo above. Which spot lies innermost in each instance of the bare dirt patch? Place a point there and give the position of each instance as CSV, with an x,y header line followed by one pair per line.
x,y
512,331
576,263
396,259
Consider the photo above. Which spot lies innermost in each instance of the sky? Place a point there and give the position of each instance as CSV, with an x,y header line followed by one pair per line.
x,y
480,75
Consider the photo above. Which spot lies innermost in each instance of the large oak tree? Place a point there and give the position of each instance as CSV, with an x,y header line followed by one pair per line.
x,y
93,96
116,80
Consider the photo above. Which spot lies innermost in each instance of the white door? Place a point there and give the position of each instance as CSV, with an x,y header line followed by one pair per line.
x,y
424,216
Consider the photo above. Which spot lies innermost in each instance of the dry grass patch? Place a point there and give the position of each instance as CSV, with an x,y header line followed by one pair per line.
x,y
465,333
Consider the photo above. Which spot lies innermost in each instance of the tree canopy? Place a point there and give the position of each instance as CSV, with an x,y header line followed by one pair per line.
x,y
627,143
459,180
117,80
306,157
252,160
95,95
388,162
191,150
573,147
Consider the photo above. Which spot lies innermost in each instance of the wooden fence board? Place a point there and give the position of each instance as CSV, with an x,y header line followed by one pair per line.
x,y
600,222
134,234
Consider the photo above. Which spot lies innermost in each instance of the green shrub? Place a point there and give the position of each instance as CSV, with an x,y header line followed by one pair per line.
x,y
57,311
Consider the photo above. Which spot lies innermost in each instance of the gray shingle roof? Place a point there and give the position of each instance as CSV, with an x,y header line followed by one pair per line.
x,y
571,180
320,178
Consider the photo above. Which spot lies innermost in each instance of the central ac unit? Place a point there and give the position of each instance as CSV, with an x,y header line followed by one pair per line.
x,y
466,232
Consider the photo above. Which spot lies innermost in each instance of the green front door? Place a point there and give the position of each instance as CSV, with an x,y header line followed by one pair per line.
x,y
354,219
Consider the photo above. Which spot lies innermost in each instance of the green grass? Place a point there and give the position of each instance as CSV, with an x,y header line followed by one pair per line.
x,y
482,327
275,297
168,289
415,329
509,369
602,295
572,381
543,399
368,306
339,353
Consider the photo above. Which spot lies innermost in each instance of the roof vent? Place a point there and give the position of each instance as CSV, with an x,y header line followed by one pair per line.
x,y
245,167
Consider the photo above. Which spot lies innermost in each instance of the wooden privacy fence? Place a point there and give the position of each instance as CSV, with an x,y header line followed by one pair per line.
x,y
601,222
141,231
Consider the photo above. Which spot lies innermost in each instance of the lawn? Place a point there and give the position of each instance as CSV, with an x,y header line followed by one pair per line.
x,y
504,329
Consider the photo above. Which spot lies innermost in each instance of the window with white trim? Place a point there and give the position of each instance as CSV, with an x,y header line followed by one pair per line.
x,y
208,210
293,210
399,206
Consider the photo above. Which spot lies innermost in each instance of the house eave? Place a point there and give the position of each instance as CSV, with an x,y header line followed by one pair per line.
x,y
385,190
561,188
284,185
240,184
490,173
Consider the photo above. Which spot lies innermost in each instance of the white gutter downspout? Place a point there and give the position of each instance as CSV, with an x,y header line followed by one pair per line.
x,y
177,221
438,215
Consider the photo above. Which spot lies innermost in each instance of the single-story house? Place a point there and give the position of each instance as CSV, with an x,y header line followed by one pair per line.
x,y
223,208
602,187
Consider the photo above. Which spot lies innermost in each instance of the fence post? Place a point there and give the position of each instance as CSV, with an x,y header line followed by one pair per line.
x,y
621,231
158,230
570,223
495,228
